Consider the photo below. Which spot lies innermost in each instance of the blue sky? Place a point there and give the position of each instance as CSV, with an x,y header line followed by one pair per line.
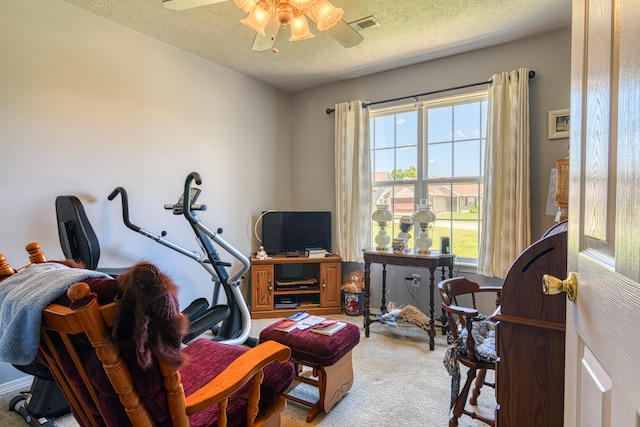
x,y
455,140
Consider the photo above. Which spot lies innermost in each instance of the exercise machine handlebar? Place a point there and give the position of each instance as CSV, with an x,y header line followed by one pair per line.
x,y
125,207
150,235
210,261
193,176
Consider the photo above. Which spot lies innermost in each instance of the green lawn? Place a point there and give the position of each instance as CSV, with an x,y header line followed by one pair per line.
x,y
466,241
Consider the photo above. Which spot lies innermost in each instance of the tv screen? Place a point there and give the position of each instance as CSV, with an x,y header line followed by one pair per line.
x,y
284,231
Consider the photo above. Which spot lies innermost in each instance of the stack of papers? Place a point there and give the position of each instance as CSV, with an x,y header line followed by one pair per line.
x,y
302,320
328,328
287,325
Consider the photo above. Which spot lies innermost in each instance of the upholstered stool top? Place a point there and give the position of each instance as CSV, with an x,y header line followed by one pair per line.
x,y
315,349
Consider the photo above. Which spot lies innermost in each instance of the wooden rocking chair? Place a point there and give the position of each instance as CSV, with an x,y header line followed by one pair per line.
x,y
219,385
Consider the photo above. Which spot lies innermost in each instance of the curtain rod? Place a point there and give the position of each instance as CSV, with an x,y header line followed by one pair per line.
x,y
365,105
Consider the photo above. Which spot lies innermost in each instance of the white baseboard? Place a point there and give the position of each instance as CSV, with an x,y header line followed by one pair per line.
x,y
20,384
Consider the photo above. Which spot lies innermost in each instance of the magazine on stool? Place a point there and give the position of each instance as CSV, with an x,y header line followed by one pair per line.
x,y
329,328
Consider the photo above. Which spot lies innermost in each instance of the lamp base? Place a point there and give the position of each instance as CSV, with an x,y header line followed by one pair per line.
x,y
382,240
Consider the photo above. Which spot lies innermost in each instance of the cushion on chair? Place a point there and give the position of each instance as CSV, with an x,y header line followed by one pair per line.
x,y
148,384
208,360
315,349
484,335
483,332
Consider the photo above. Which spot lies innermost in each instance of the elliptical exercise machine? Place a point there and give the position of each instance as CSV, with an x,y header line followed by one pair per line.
x,y
229,322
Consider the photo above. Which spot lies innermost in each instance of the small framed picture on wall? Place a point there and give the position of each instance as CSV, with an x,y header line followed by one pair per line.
x,y
559,121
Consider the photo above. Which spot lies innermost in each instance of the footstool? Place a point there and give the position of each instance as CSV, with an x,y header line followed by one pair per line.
x,y
319,360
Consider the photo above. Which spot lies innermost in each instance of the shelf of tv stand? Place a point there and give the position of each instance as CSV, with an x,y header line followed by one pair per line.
x,y
296,291
296,283
316,281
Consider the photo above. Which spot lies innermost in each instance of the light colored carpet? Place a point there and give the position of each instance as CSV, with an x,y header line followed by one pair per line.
x,y
398,381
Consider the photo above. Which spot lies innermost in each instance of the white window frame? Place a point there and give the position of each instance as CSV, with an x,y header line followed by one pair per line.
x,y
422,182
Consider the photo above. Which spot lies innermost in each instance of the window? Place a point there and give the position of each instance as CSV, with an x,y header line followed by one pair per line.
x,y
434,151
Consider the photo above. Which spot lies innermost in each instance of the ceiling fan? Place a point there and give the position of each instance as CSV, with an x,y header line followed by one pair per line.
x,y
280,13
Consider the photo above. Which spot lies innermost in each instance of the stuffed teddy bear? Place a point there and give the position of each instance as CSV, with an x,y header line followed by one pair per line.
x,y
355,282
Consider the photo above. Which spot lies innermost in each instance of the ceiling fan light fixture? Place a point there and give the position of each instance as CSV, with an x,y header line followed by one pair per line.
x,y
246,5
299,28
284,12
326,15
302,5
258,18
294,13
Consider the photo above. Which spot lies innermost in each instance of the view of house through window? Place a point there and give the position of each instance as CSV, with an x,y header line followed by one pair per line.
x,y
433,150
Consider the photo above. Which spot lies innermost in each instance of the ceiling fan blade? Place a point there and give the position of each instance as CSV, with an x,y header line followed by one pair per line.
x,y
268,41
187,4
345,34
261,43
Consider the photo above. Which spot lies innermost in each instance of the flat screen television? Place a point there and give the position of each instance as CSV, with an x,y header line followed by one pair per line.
x,y
290,231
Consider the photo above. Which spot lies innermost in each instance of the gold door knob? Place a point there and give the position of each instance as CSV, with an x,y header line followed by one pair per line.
x,y
552,285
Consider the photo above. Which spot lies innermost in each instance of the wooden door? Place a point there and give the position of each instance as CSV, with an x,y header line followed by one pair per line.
x,y
602,368
262,287
330,273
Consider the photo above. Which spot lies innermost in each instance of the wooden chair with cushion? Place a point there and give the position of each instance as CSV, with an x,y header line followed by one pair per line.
x,y
473,343
106,385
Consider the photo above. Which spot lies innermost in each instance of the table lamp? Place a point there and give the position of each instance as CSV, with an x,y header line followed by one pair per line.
x,y
423,217
381,216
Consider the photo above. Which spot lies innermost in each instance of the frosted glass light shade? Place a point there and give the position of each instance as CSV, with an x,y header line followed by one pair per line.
x,y
246,5
290,13
258,18
302,4
326,14
382,214
423,213
299,28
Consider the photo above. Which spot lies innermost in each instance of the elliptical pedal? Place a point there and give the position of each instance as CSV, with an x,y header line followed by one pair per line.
x,y
41,404
19,404
196,309
212,316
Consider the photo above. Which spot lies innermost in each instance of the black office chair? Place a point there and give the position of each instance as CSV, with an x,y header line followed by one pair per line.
x,y
77,238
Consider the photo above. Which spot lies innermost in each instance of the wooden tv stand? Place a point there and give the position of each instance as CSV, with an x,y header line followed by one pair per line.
x,y
282,285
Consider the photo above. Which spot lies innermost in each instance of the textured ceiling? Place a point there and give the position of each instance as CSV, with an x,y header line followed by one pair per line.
x,y
411,31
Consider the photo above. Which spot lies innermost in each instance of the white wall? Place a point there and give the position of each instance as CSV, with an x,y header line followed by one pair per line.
x,y
87,105
312,131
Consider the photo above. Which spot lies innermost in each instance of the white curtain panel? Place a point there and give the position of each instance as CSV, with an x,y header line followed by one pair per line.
x,y
506,225
353,180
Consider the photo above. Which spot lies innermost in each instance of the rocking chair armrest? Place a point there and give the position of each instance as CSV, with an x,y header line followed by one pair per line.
x,y
461,311
490,289
237,374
